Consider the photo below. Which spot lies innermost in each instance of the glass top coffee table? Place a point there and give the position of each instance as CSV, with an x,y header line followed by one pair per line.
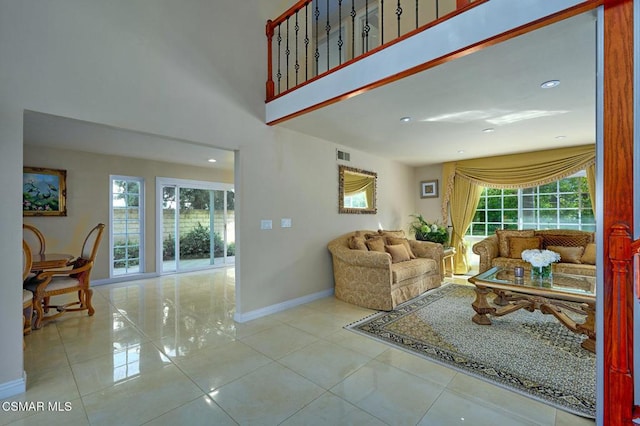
x,y
549,296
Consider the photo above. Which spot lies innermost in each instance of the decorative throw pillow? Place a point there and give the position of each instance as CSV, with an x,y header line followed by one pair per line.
x,y
376,244
395,234
589,255
357,243
568,254
518,244
503,242
392,241
565,240
398,253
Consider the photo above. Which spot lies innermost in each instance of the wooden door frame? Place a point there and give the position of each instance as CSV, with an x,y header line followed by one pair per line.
x,y
617,224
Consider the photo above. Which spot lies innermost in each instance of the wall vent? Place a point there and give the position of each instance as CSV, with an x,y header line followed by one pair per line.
x,y
342,155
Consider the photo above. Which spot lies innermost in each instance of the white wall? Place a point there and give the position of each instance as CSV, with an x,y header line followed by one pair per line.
x,y
430,208
298,179
88,197
192,70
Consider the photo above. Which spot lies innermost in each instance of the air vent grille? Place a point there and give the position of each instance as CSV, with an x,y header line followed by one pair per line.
x,y
345,156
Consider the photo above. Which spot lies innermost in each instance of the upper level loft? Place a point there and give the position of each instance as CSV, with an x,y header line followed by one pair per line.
x,y
324,51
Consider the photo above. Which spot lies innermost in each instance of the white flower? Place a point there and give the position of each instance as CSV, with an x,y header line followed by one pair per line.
x,y
434,228
540,258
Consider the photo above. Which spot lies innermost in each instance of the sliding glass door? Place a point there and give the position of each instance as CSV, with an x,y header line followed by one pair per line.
x,y
196,224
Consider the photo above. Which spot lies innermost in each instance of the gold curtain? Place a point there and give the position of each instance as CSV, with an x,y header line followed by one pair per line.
x,y
448,174
464,202
591,181
463,182
369,194
527,169
354,183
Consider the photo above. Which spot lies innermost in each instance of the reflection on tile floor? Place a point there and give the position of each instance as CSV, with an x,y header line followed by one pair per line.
x,y
166,351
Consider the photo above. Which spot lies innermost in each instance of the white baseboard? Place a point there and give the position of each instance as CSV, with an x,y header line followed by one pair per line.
x,y
279,307
125,278
14,387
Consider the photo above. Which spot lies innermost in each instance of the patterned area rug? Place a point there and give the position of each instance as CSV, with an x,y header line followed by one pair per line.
x,y
526,352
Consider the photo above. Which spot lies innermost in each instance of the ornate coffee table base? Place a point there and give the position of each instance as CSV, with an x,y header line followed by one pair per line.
x,y
545,305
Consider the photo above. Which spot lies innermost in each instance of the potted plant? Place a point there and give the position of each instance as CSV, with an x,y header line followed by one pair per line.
x,y
428,231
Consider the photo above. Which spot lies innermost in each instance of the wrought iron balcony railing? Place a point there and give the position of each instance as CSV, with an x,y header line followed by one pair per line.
x,y
315,37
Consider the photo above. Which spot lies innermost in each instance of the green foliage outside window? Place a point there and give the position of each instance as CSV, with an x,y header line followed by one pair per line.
x,y
125,256
562,204
196,244
200,199
128,190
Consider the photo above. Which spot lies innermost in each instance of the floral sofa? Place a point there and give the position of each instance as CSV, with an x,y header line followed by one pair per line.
x,y
577,249
382,269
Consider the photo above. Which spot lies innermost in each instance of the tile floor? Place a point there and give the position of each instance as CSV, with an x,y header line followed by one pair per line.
x,y
166,351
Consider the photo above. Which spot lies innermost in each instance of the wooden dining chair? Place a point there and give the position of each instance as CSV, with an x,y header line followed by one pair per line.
x,y
52,283
34,238
27,296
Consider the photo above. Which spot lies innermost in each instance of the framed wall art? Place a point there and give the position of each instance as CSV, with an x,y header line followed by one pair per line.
x,y
429,189
44,192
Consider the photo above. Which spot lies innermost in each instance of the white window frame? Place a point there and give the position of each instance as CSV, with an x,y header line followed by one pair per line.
x,y
161,182
141,234
520,224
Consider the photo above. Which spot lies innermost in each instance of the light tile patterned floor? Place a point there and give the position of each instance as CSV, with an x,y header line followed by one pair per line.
x,y
166,351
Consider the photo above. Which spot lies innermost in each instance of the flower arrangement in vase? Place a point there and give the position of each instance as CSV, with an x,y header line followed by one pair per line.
x,y
540,261
428,231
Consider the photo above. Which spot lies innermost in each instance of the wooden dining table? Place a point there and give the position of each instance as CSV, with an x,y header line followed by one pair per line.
x,y
50,261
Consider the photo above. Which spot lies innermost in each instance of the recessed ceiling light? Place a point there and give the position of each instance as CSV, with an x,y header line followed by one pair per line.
x,y
561,137
489,130
550,84
461,151
211,160
405,119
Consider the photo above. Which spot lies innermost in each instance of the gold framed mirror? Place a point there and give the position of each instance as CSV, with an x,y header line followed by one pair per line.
x,y
356,191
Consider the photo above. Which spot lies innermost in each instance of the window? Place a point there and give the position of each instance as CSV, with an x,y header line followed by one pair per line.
x,y
127,225
357,201
564,204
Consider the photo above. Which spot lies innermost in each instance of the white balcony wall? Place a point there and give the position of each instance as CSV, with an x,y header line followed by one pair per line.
x,y
480,23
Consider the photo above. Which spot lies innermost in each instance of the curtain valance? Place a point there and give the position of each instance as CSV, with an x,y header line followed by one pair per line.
x,y
518,170
355,183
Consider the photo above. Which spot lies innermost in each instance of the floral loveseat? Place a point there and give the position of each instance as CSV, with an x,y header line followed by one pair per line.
x,y
577,249
381,269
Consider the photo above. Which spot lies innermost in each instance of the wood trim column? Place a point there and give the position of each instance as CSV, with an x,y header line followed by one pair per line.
x,y
270,83
618,212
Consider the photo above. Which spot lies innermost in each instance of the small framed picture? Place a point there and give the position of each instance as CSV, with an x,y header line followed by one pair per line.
x,y
44,192
429,189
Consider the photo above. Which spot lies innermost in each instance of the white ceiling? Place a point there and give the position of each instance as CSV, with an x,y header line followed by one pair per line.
x,y
66,133
449,105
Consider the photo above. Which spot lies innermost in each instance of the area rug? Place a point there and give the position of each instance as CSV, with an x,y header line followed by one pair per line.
x,y
526,352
